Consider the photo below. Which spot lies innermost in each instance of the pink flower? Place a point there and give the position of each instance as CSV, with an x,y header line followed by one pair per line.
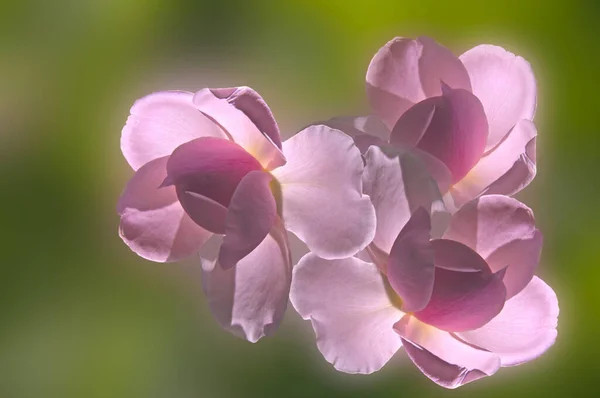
x,y
213,163
473,113
462,306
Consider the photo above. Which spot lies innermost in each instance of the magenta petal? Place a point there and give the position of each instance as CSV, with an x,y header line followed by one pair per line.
x,y
159,123
506,86
240,126
250,299
443,358
203,211
524,329
254,106
466,295
415,122
350,310
455,256
410,267
250,217
153,223
453,128
210,167
502,230
405,71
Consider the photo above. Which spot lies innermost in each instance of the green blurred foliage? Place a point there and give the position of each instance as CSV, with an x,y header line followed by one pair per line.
x,y
82,316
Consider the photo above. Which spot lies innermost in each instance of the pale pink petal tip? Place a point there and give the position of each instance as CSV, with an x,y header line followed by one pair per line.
x,y
250,299
506,86
350,311
153,223
404,72
159,123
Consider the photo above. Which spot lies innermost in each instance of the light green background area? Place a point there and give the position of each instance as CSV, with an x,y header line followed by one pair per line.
x,y
81,316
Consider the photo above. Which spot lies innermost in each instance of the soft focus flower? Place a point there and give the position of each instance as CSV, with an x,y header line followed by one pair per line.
x,y
462,306
473,113
213,163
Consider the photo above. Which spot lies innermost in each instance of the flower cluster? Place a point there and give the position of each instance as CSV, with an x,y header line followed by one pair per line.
x,y
414,239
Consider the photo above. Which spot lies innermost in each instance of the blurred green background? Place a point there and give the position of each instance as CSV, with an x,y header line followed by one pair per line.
x,y
82,316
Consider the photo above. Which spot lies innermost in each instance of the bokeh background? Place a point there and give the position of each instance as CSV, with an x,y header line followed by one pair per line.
x,y
81,316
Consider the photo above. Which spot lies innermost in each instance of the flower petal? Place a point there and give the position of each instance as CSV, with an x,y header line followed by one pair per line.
x,y
153,223
398,183
250,299
405,71
210,167
348,304
254,106
506,86
524,329
203,211
241,127
502,230
365,130
321,187
250,217
453,128
455,256
466,295
519,175
443,358
501,170
159,123
410,267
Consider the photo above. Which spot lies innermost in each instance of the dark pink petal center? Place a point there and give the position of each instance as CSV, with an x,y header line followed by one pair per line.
x,y
410,267
452,127
206,172
211,167
466,294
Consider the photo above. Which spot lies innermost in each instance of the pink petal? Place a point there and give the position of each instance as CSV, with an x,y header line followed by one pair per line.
x,y
519,175
502,230
453,128
206,172
455,256
365,130
153,223
501,171
466,295
254,106
321,186
506,86
159,123
250,217
443,358
398,183
414,123
405,71
350,310
250,299
410,267
240,127
524,329
203,211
